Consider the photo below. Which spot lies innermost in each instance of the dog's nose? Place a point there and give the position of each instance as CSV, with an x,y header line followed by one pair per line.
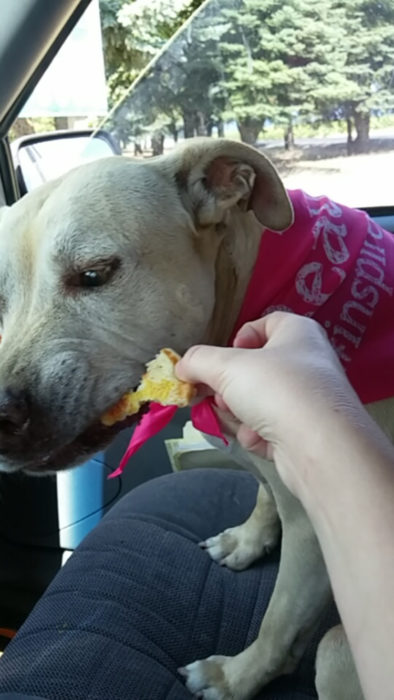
x,y
14,412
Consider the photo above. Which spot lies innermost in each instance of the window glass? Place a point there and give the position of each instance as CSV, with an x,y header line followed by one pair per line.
x,y
310,82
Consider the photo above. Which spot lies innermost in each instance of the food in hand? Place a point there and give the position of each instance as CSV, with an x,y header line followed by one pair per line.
x,y
159,383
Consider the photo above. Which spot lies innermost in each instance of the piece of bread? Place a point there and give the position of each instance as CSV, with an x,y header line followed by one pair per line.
x,y
159,383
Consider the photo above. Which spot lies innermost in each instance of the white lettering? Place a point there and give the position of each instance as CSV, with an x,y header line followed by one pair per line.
x,y
374,251
341,273
355,340
364,292
331,208
334,245
371,271
374,230
368,276
312,292
345,314
277,307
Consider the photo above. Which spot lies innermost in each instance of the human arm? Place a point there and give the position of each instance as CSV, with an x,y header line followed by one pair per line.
x,y
295,405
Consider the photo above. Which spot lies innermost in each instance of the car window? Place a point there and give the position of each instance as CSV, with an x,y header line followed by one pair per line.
x,y
309,82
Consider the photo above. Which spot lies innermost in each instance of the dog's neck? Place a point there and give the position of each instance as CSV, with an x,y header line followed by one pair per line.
x,y
234,266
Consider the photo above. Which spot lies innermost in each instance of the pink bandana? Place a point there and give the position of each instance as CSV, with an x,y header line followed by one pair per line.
x,y
333,264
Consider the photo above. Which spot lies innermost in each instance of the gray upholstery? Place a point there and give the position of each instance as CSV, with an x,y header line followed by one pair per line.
x,y
139,598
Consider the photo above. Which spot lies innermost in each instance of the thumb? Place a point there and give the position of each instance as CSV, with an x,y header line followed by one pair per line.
x,y
203,364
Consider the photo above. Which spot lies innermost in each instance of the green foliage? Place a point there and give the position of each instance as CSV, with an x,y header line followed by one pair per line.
x,y
257,63
133,32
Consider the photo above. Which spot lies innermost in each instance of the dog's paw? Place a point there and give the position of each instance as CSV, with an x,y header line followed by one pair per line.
x,y
238,547
207,678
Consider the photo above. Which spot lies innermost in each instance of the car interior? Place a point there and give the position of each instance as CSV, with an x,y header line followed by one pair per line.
x,y
42,520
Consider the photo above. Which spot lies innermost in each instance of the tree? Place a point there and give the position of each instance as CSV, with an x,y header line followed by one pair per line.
x,y
361,50
181,89
254,62
246,82
122,62
274,59
133,32
196,67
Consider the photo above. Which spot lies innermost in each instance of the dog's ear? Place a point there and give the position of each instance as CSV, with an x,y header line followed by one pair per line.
x,y
216,175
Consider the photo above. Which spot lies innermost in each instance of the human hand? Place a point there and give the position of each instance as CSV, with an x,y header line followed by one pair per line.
x,y
285,385
282,381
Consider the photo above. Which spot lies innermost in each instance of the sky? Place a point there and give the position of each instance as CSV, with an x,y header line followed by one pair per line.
x,y
74,84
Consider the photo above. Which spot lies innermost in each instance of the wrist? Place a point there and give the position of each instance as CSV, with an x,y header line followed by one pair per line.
x,y
340,450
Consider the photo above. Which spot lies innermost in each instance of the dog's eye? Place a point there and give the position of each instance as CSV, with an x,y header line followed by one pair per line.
x,y
95,276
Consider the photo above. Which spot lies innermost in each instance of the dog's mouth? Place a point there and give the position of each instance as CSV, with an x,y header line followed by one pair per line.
x,y
93,439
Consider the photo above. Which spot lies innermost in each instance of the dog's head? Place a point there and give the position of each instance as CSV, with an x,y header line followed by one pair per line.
x,y
102,268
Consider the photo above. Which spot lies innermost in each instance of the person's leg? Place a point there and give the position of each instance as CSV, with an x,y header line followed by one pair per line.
x,y
140,599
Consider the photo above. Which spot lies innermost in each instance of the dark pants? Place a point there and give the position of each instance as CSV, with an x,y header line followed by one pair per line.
x,y
139,598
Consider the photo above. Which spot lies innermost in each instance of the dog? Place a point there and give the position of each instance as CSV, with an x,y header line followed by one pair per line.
x,y
99,270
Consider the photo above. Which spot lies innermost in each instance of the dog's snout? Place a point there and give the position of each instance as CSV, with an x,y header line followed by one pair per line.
x,y
14,412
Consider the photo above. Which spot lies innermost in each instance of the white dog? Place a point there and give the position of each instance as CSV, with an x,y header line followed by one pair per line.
x,y
119,258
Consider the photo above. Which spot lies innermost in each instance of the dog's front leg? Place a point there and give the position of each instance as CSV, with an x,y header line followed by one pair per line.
x,y
336,675
301,592
238,547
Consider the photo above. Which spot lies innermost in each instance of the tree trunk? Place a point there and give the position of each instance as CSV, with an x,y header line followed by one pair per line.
x,y
157,143
61,123
249,129
349,130
173,131
361,123
289,136
188,125
220,126
137,148
201,124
